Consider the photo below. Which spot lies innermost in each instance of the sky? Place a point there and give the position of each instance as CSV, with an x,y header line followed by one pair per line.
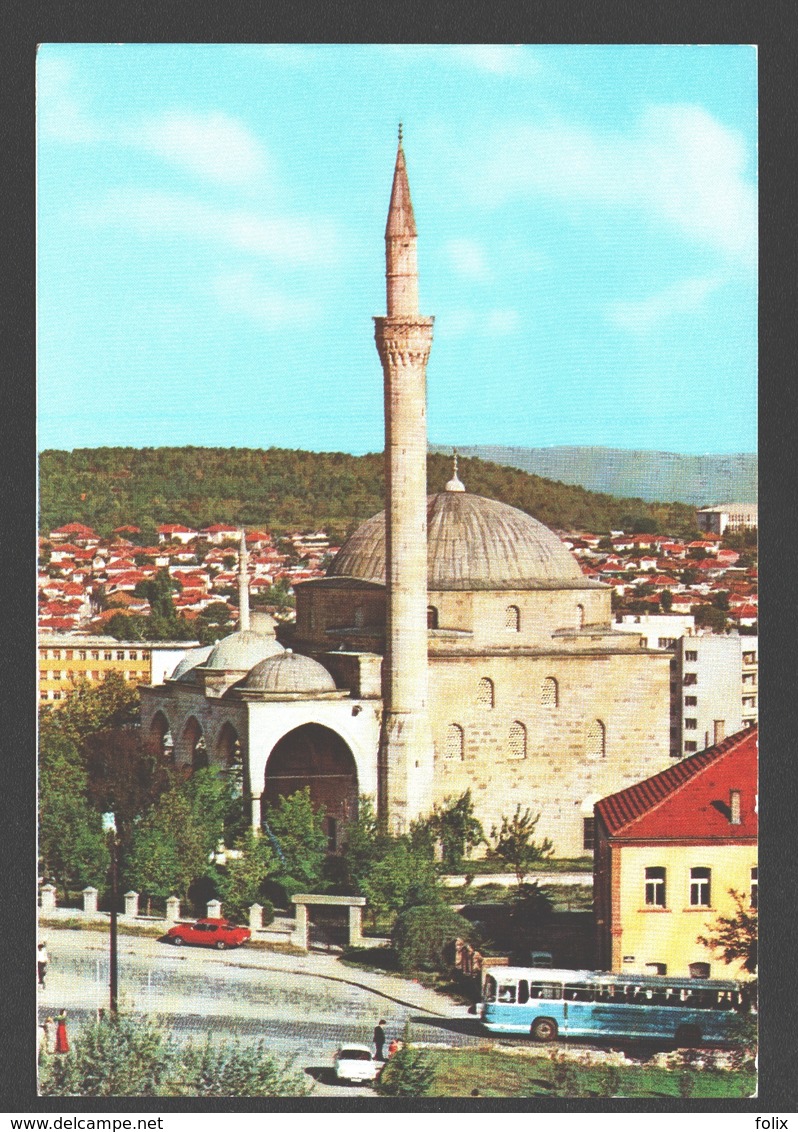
x,y
210,223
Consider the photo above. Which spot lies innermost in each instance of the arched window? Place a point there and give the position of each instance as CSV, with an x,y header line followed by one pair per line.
x,y
596,747
516,741
454,748
512,619
486,695
432,617
580,616
549,692
199,756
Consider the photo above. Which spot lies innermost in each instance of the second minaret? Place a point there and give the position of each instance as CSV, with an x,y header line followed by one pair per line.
x,y
403,340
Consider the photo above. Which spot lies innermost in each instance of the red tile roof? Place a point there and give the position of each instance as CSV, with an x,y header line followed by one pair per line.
x,y
689,801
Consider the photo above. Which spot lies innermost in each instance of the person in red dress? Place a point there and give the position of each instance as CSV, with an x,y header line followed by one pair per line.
x,y
61,1039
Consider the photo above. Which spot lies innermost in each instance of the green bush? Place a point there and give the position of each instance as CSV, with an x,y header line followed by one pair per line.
x,y
424,935
409,1073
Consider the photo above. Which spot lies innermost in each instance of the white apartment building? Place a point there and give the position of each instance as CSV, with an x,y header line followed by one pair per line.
x,y
656,630
714,690
732,516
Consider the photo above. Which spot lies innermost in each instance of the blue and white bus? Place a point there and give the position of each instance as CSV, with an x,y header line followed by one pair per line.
x,y
550,1004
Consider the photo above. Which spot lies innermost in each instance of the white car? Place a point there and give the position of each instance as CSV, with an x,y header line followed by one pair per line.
x,y
355,1063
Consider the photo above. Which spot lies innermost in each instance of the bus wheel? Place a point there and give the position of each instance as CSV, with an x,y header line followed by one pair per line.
x,y
688,1036
544,1030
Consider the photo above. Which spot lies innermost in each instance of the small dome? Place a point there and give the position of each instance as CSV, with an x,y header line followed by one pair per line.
x,y
242,650
192,658
474,544
289,672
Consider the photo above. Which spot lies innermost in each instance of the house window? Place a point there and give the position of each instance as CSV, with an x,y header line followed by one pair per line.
x,y
667,642
690,701
432,617
56,695
698,970
690,724
749,658
655,887
56,654
453,750
95,654
81,654
690,747
690,678
656,968
133,655
516,741
486,695
43,695
596,746
691,654
700,887
120,654
580,616
755,887
145,654
95,675
512,618
588,834
69,654
549,692
56,675
750,679
108,656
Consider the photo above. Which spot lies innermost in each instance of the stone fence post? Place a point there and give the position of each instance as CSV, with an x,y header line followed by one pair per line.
x,y
172,910
256,917
131,904
48,897
90,901
214,909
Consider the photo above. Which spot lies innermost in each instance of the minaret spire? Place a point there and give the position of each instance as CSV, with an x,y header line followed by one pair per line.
x,y
243,583
403,340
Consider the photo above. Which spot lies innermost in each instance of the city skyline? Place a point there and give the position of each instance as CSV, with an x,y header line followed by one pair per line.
x,y
210,221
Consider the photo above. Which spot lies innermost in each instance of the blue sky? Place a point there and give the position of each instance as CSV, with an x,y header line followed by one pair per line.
x,y
210,243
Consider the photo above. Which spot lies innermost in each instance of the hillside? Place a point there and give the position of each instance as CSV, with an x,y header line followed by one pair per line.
x,y
699,480
285,490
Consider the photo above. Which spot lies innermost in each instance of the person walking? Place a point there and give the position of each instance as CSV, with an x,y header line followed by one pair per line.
x,y
379,1040
41,962
61,1039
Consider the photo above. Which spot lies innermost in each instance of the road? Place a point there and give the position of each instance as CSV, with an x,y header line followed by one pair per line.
x,y
301,1006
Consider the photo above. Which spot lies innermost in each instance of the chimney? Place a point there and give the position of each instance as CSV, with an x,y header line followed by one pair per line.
x,y
734,807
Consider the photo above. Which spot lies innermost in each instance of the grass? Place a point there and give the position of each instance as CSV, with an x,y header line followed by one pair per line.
x,y
495,1074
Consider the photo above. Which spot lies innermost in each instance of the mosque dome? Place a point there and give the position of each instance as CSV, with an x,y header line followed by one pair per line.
x,y
289,672
242,650
190,661
474,544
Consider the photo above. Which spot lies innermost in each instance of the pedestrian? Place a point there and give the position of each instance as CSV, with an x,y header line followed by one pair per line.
x,y
42,961
49,1035
61,1039
379,1040
393,1046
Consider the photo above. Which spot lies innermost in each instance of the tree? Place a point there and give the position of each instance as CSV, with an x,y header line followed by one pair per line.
x,y
402,877
458,831
424,934
409,1073
213,622
666,601
130,1056
514,843
299,831
168,852
88,708
710,617
72,847
242,877
127,775
735,937
363,844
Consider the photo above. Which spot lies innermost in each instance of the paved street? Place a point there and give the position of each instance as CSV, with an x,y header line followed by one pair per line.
x,y
303,1006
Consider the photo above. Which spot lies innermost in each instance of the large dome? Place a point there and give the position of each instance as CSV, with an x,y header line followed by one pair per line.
x,y
474,544
290,672
242,650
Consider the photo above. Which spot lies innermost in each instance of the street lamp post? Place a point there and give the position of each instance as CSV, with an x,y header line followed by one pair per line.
x,y
109,825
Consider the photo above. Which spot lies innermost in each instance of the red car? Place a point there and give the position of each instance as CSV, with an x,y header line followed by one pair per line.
x,y
210,933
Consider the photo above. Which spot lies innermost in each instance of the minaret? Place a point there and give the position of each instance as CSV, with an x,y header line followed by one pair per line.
x,y
243,584
403,341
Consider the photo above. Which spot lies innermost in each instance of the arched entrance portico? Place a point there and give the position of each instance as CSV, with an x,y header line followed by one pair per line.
x,y
316,757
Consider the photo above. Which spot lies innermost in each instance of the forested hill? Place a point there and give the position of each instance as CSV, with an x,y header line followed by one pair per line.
x,y
285,490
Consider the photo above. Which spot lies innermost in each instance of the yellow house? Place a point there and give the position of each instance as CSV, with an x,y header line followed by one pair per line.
x,y
65,659
667,853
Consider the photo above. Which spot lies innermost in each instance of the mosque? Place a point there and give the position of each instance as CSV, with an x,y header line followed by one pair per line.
x,y
454,644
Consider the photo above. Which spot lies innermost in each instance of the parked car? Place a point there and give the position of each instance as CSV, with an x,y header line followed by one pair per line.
x,y
209,933
355,1063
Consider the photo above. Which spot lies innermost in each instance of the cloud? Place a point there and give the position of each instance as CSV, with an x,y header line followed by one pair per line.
x,y
244,294
467,258
679,166
497,58
214,146
639,316
59,111
291,240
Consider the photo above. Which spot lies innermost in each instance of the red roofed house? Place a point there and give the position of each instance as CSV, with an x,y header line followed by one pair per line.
x,y
74,532
667,852
175,532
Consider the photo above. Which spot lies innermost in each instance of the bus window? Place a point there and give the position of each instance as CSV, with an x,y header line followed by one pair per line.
x,y
489,994
545,990
578,992
523,991
507,993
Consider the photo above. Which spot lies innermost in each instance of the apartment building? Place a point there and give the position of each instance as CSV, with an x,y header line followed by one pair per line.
x,y
66,658
714,690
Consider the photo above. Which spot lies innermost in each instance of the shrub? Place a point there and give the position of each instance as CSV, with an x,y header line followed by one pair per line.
x,y
423,935
409,1073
